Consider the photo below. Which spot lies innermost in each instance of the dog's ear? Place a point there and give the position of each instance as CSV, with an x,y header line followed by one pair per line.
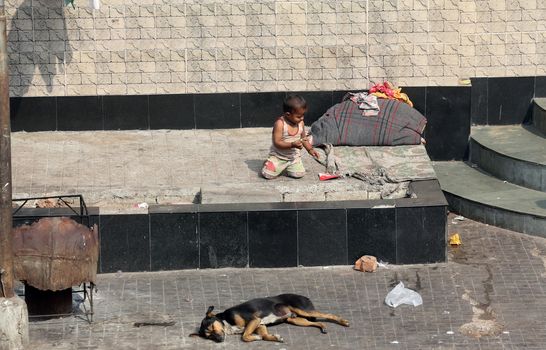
x,y
194,335
209,311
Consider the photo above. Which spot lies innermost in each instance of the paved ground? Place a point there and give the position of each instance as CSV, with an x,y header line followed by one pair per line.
x,y
491,295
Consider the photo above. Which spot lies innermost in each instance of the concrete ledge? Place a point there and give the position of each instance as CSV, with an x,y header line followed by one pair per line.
x,y
276,234
517,171
529,224
483,198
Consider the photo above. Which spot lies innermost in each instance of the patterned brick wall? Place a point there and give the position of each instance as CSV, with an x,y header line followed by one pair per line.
x,y
184,46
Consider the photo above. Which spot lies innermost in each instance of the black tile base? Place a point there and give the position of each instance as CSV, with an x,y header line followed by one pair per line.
x,y
125,112
322,238
448,122
172,112
76,113
372,232
420,234
272,238
270,235
509,99
217,111
33,113
478,101
223,240
261,109
174,241
125,243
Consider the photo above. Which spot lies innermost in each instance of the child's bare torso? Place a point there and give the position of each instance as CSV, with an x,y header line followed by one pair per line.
x,y
291,133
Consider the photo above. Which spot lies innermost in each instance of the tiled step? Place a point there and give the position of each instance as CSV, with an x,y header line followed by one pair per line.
x,y
481,197
513,153
539,114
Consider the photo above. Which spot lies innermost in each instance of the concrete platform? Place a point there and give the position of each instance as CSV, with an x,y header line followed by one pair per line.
x,y
116,170
208,207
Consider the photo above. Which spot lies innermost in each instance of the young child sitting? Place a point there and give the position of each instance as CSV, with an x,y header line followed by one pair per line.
x,y
288,139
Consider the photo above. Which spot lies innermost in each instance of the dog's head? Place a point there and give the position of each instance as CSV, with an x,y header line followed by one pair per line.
x,y
211,327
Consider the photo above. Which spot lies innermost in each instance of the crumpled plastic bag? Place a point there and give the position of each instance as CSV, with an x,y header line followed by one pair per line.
x,y
401,295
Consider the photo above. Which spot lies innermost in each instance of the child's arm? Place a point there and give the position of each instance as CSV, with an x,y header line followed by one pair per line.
x,y
277,137
308,146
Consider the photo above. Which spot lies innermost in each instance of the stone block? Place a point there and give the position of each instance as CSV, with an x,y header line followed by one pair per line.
x,y
236,194
304,197
347,196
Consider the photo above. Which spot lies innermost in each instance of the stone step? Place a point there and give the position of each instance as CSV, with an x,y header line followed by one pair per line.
x,y
539,114
513,153
481,197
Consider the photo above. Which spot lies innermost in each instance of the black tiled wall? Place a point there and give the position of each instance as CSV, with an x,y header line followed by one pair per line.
x,y
223,239
507,100
263,235
217,111
322,237
260,109
33,113
174,241
420,234
371,232
125,112
124,243
448,122
447,110
271,238
171,112
79,113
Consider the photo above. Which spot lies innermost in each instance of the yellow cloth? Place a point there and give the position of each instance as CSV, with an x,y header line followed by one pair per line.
x,y
397,95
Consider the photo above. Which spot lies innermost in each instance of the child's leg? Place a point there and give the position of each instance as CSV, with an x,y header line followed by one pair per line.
x,y
273,167
295,169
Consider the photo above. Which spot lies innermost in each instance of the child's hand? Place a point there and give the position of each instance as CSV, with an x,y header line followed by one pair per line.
x,y
314,153
297,144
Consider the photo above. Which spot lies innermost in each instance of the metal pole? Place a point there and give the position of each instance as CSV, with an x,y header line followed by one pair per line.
x,y
6,253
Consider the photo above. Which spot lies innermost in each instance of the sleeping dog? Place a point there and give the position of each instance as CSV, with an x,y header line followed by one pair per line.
x,y
251,318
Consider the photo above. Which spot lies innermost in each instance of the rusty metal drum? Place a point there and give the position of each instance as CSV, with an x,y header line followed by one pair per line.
x,y
55,253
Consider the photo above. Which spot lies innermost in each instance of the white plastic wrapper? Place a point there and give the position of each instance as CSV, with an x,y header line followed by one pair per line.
x,y
401,295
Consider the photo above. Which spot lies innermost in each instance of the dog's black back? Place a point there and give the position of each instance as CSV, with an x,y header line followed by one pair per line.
x,y
263,307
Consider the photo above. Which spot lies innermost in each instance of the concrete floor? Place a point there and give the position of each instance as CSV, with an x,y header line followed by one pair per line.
x,y
116,170
490,295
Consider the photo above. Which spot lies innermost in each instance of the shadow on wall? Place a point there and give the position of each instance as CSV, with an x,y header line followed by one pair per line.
x,y
38,41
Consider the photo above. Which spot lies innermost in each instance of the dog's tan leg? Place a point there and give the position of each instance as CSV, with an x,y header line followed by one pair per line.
x,y
319,314
303,322
262,331
248,334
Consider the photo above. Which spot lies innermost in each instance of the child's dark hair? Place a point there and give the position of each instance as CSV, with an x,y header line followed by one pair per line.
x,y
292,102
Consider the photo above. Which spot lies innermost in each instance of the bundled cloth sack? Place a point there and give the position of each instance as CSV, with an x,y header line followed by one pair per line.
x,y
343,125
